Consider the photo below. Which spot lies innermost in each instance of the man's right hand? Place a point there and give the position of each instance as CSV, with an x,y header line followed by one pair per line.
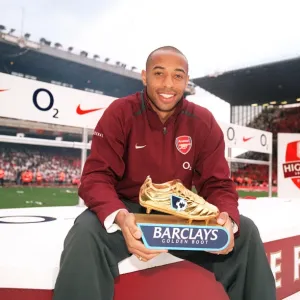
x,y
132,235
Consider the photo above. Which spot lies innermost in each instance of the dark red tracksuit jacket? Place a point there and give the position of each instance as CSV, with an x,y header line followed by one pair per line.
x,y
130,142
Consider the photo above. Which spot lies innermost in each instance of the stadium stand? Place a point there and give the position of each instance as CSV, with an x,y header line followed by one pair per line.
x,y
278,119
26,164
64,67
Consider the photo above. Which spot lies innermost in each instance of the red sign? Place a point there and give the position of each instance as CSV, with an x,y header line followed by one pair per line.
x,y
291,169
284,259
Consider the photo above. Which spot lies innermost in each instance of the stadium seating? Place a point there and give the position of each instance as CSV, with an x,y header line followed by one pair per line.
x,y
49,161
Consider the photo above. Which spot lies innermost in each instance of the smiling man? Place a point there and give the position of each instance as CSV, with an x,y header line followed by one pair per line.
x,y
160,134
165,83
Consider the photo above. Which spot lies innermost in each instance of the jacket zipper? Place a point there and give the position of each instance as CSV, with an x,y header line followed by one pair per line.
x,y
163,152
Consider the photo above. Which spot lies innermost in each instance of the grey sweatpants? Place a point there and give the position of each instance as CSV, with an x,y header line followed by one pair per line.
x,y
89,262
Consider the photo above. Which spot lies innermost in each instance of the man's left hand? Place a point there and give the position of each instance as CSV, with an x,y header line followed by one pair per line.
x,y
225,221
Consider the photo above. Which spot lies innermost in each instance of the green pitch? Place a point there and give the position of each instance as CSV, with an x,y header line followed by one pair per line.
x,y
17,197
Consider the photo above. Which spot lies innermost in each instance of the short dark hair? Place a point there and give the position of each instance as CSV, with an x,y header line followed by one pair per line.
x,y
164,48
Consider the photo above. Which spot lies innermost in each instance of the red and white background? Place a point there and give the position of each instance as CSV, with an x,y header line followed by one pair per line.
x,y
288,165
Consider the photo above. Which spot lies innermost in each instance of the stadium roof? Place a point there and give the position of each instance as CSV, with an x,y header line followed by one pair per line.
x,y
53,65
277,81
42,62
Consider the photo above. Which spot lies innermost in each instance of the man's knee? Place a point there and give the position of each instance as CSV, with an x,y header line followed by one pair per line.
x,y
248,228
88,220
88,230
85,230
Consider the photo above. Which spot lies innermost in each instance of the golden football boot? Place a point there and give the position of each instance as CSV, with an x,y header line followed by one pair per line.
x,y
174,198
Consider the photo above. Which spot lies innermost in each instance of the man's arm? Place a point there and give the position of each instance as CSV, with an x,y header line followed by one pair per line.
x,y
105,165
212,175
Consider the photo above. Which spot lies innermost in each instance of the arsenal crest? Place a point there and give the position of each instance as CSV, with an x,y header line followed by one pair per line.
x,y
291,169
183,144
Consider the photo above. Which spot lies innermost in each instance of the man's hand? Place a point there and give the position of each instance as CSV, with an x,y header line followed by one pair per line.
x,y
132,235
225,221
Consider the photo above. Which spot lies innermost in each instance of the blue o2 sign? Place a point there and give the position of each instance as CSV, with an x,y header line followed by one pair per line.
x,y
50,104
184,237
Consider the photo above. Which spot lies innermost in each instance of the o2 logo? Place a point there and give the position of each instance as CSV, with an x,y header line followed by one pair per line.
x,y
231,135
48,107
187,166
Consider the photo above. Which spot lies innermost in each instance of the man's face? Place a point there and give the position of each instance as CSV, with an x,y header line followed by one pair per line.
x,y
166,78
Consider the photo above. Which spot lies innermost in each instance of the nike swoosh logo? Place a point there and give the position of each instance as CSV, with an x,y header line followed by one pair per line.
x,y
140,147
247,139
81,111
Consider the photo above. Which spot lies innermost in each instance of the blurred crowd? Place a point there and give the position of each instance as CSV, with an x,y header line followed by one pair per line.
x,y
26,164
275,119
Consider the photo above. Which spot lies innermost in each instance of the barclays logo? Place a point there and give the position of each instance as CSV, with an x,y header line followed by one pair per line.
x,y
184,237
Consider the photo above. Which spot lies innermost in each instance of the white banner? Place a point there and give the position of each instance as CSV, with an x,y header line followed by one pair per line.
x,y
288,171
32,100
247,138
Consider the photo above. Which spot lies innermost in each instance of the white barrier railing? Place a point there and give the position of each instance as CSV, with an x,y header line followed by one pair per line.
x,y
44,142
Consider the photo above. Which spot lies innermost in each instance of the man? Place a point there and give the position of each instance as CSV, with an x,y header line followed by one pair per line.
x,y
137,137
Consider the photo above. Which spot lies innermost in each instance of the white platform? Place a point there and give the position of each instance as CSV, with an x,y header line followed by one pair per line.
x,y
30,253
